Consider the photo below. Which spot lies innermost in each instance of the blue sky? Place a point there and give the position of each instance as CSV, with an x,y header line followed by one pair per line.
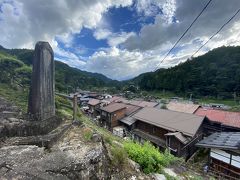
x,y
118,38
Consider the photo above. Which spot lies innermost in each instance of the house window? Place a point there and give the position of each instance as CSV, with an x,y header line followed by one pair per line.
x,y
153,130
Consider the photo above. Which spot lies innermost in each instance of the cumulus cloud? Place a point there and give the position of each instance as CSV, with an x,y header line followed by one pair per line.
x,y
120,64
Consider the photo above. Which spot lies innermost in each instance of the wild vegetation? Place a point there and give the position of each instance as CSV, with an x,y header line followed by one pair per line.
x,y
148,156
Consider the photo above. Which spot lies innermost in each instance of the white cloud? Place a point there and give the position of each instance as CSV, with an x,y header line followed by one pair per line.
x,y
26,22
165,8
113,39
102,34
118,64
117,38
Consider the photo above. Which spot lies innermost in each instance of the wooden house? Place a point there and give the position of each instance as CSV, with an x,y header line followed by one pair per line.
x,y
111,113
224,154
94,107
168,129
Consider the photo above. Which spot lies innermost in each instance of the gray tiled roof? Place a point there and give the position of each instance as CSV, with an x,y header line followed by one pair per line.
x,y
223,140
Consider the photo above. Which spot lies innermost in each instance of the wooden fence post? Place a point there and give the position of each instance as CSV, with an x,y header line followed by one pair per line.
x,y
74,107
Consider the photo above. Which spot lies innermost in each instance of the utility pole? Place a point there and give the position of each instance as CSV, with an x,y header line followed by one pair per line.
x,y
190,99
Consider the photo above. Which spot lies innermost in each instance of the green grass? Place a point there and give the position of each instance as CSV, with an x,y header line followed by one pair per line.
x,y
107,135
17,97
167,95
87,134
227,102
119,157
159,94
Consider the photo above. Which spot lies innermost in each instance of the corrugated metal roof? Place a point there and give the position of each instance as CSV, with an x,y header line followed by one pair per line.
x,y
113,107
223,140
225,117
182,107
188,124
128,120
94,102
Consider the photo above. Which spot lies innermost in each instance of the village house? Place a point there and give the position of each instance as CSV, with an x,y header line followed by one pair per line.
x,y
219,120
168,129
224,154
111,113
128,121
94,107
185,107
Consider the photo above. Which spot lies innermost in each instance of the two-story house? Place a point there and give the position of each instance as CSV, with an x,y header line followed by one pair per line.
x,y
176,131
94,107
111,113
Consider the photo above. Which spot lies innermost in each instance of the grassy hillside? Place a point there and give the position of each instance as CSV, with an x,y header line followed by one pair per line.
x,y
215,74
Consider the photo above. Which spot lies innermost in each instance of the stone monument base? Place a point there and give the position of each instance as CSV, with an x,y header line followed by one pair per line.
x,y
16,129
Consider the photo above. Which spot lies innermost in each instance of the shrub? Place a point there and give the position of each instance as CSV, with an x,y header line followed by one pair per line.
x,y
164,106
61,101
119,156
148,156
87,134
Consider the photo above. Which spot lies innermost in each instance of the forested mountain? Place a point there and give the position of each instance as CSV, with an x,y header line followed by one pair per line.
x,y
15,67
216,74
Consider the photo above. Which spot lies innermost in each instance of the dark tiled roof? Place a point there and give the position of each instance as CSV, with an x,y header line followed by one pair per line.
x,y
223,140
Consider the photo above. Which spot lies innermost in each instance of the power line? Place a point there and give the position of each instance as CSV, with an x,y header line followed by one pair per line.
x,y
184,33
216,32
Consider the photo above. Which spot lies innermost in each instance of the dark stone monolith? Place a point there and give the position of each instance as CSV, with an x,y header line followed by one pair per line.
x,y
41,105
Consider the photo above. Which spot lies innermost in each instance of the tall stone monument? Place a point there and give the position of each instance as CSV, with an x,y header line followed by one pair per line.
x,y
41,104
